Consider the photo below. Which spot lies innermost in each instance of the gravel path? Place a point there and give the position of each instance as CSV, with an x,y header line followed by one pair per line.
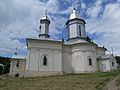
x,y
112,84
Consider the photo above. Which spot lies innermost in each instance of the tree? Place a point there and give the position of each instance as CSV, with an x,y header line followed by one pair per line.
x,y
118,60
6,62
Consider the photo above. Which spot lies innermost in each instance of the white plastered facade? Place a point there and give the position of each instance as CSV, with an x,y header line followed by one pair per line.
x,y
65,58
36,50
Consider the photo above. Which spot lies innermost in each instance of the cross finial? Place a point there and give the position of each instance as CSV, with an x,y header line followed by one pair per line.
x,y
74,6
46,12
15,51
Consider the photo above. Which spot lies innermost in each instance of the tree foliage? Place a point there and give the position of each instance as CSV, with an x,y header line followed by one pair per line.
x,y
118,60
6,62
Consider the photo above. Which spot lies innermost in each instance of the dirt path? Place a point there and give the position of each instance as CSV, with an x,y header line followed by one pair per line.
x,y
112,84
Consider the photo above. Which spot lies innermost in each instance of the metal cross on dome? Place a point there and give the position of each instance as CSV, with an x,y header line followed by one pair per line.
x,y
74,5
15,51
46,12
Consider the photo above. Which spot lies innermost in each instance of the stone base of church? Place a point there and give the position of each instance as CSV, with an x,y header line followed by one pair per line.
x,y
42,73
79,72
16,74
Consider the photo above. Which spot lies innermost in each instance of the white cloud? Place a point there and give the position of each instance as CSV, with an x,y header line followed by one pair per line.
x,y
83,6
95,9
108,25
112,11
118,0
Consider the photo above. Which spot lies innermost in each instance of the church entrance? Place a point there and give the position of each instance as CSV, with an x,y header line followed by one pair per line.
x,y
103,67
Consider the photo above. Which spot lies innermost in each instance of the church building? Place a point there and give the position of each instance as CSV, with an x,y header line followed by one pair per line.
x,y
78,54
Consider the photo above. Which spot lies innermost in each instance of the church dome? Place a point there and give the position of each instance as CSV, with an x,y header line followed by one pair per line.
x,y
45,17
74,14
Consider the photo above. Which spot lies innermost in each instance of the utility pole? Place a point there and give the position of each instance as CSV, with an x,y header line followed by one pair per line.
x,y
112,51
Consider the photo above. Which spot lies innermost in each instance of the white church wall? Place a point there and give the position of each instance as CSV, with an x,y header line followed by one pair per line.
x,y
100,51
53,52
13,66
43,29
73,31
107,64
66,59
44,44
20,69
57,60
80,55
47,29
34,59
113,64
28,59
91,55
78,62
104,65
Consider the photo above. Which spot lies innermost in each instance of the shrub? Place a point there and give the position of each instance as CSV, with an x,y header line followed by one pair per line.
x,y
16,75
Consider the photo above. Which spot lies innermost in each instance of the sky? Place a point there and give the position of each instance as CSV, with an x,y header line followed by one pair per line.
x,y
20,19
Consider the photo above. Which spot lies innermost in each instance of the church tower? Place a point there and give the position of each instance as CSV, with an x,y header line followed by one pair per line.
x,y
44,27
76,26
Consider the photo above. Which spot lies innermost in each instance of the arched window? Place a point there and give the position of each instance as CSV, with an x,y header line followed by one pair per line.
x,y
90,61
17,65
112,63
79,30
45,60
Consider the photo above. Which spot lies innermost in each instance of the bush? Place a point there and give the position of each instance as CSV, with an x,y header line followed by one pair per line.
x,y
16,75
118,68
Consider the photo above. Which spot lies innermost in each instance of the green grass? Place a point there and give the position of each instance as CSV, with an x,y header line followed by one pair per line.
x,y
118,83
118,80
94,81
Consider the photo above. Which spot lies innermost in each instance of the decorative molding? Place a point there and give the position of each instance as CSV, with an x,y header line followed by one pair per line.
x,y
83,51
46,35
84,38
39,48
75,19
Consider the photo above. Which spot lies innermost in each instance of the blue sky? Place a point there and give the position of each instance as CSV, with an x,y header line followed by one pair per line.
x,y
19,19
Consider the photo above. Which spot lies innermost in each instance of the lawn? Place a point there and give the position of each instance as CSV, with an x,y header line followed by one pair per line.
x,y
94,81
118,83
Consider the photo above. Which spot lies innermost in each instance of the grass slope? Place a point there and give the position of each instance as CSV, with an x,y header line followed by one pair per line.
x,y
118,83
94,81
